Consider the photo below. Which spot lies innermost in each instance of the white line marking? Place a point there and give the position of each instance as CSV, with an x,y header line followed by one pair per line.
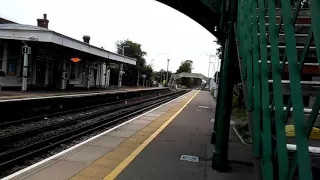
x,y
84,142
204,107
239,136
76,95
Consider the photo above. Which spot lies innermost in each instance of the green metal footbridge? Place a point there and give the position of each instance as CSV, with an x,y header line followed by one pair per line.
x,y
275,44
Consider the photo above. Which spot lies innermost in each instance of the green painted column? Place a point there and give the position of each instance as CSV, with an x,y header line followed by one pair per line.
x,y
213,136
220,156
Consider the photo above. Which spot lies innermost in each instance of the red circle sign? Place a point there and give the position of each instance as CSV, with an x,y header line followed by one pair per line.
x,y
75,59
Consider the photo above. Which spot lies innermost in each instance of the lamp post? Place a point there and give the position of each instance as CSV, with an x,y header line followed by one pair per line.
x,y
121,69
167,71
209,70
144,77
161,80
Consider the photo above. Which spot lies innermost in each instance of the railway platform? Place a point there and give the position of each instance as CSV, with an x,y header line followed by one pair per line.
x,y
169,142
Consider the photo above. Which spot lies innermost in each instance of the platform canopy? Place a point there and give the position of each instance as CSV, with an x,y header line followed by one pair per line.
x,y
202,11
39,34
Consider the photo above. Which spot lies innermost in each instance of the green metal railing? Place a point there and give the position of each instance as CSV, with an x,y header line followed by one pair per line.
x,y
266,31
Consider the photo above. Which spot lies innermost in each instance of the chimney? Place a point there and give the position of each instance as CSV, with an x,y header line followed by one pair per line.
x,y
43,22
86,39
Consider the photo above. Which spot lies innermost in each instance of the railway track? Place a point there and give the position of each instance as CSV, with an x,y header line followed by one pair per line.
x,y
6,124
72,129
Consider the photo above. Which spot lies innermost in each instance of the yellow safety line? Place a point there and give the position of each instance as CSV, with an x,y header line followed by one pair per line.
x,y
137,151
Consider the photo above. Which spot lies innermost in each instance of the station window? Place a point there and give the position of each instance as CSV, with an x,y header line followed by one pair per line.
x,y
1,56
72,70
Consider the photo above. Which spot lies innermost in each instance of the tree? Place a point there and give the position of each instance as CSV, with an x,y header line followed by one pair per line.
x,y
185,66
148,71
219,51
163,73
134,50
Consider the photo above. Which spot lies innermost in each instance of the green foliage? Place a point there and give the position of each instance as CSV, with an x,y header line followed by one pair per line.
x,y
133,50
239,114
238,98
147,70
185,66
219,51
235,64
158,78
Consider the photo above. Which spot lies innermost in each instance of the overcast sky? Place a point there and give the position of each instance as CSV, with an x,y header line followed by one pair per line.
x,y
163,32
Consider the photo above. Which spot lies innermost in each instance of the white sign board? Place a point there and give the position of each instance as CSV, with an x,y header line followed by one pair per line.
x,y
189,158
26,50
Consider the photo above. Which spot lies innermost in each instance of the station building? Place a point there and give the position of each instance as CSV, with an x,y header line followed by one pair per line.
x,y
37,57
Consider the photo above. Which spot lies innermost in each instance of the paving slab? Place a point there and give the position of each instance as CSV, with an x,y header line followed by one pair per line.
x,y
125,133
66,154
94,172
148,118
136,127
36,169
153,114
158,112
108,142
140,121
164,109
61,170
88,154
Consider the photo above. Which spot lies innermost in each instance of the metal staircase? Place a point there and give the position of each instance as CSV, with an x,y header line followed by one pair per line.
x,y
278,47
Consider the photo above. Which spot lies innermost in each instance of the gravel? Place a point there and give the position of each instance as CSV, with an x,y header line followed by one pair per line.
x,y
59,119
54,120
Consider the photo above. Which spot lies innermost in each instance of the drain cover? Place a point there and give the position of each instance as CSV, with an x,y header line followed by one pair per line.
x,y
189,158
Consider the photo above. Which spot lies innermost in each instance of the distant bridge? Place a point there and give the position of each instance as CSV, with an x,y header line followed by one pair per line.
x,y
175,77
190,75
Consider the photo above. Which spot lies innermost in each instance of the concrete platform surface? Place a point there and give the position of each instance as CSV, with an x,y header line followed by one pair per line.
x,y
189,134
18,95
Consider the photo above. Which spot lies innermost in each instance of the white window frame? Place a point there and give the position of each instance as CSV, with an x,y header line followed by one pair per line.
x,y
2,59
